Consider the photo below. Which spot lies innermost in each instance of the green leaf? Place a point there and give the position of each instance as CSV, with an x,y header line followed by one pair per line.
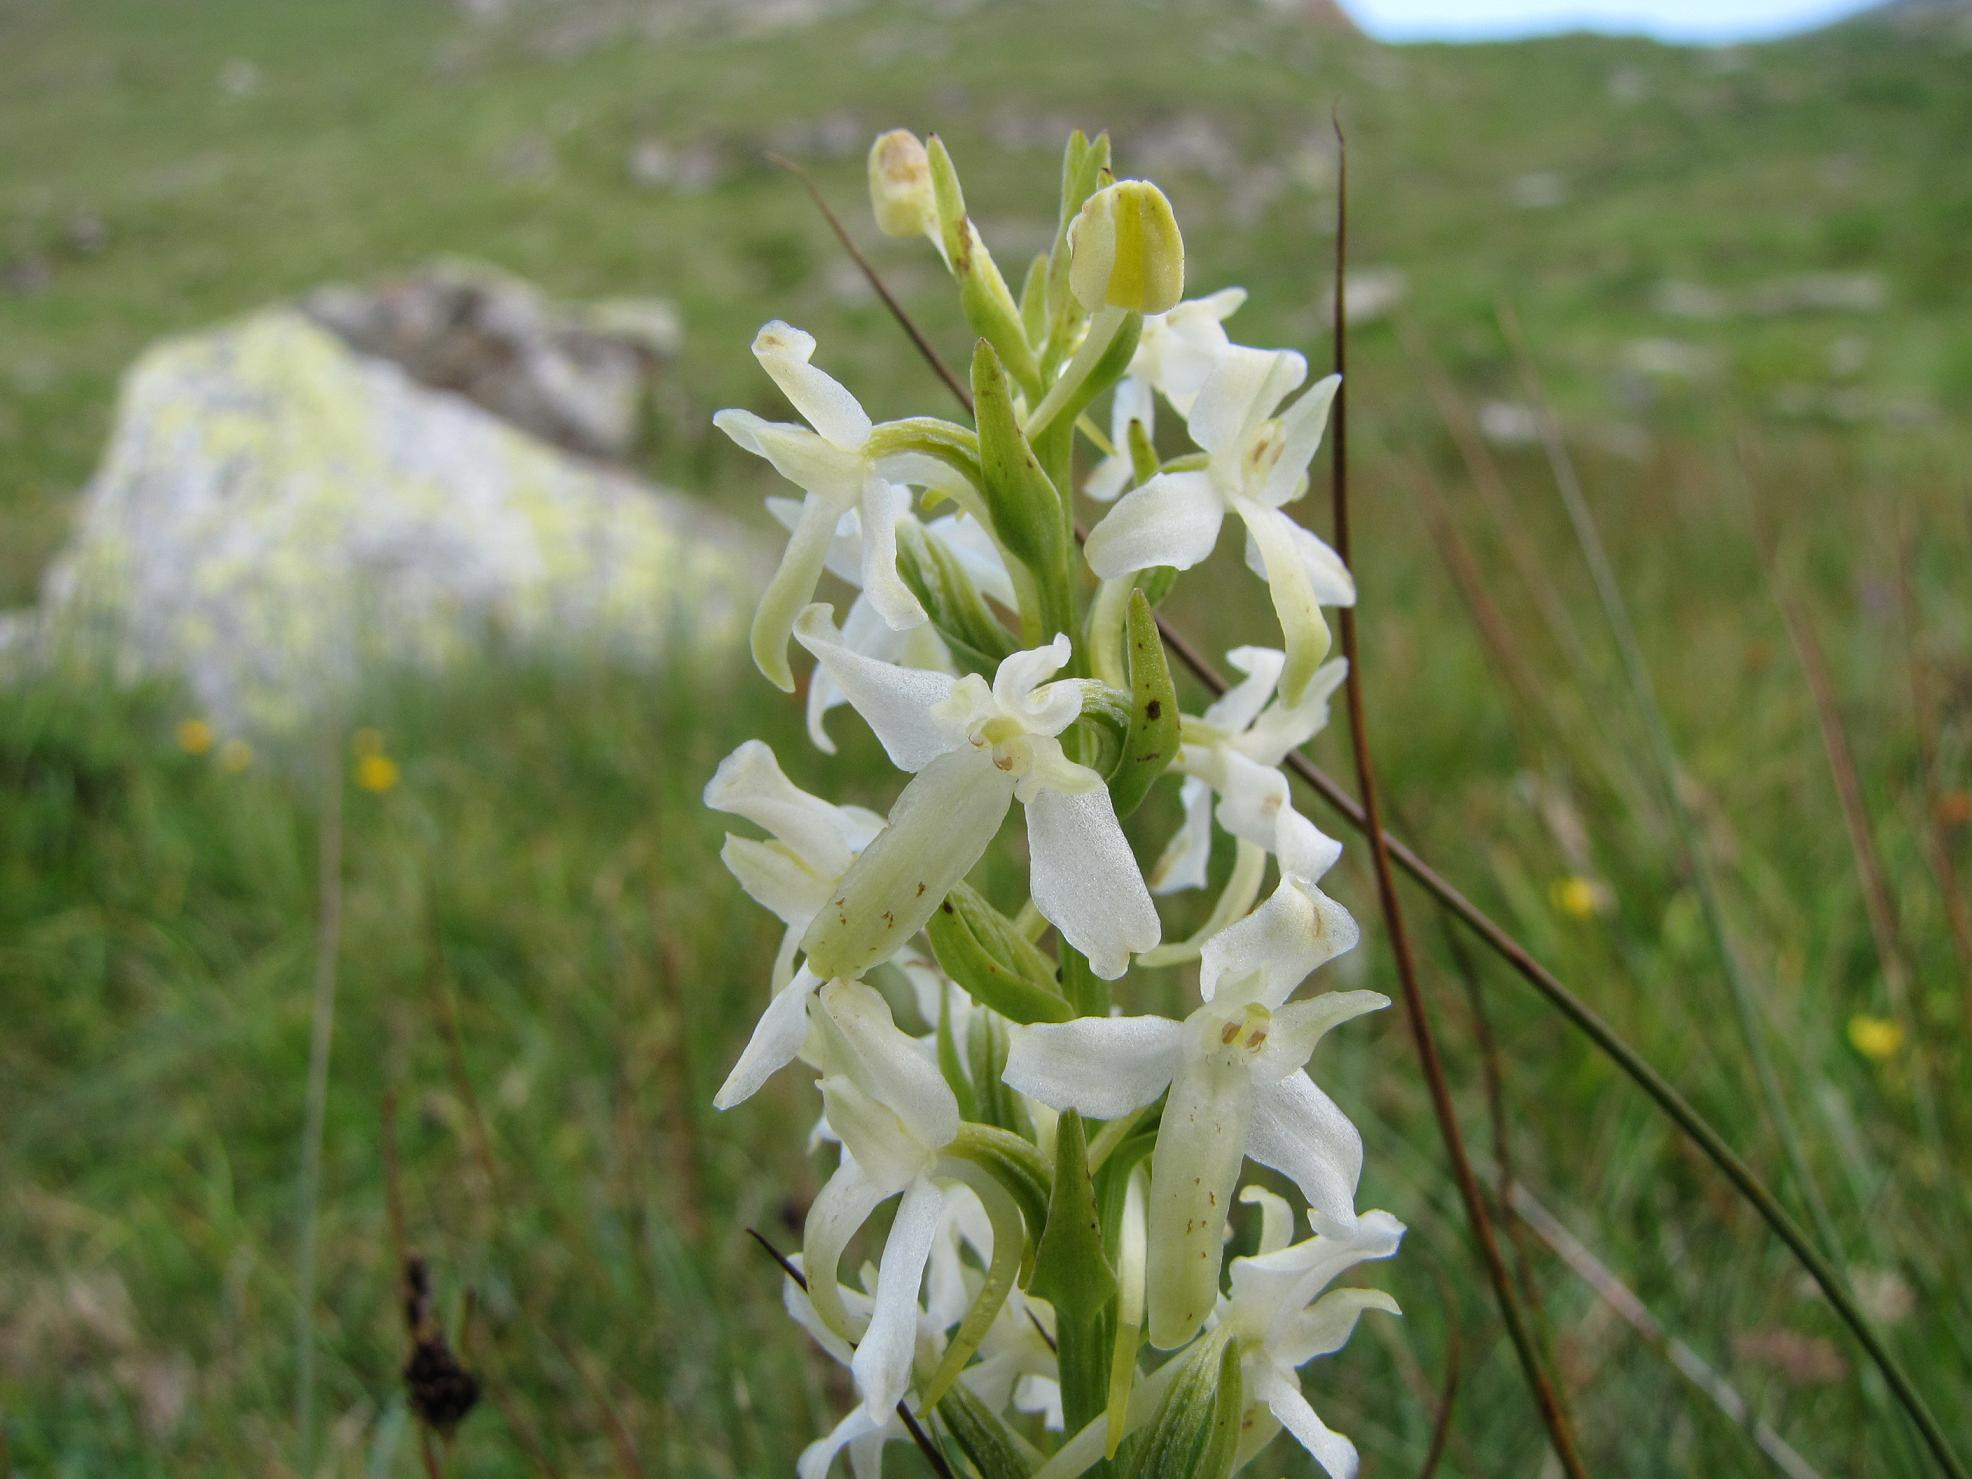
x,y
1195,1431
975,636
1024,507
984,951
990,1446
1072,1271
1151,742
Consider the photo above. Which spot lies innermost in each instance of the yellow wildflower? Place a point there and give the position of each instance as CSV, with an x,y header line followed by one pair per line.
x,y
1876,1038
235,756
367,741
1576,896
376,772
194,736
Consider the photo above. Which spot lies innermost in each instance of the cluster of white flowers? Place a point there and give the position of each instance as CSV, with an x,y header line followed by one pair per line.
x,y
1054,1295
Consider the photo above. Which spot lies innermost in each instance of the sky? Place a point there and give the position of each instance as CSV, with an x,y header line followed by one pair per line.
x,y
1705,21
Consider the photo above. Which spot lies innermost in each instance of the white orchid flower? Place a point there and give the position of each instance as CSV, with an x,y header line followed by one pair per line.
x,y
828,460
973,749
1235,751
1282,1318
1174,355
813,842
864,627
1015,1366
1236,1072
1256,462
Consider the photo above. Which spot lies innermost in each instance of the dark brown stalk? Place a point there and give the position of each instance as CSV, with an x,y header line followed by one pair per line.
x,y
1418,1013
919,1436
1585,1019
924,345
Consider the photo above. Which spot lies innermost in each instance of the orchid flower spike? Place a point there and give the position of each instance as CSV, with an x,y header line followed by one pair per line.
x,y
973,749
1257,458
1236,1073
828,459
1282,1318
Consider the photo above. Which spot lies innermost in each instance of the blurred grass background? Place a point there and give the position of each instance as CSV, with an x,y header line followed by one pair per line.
x,y
533,921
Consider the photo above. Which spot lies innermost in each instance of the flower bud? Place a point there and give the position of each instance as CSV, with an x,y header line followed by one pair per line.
x,y
1126,251
900,185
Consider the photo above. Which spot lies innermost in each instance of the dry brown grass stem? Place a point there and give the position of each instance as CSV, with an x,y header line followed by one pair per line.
x,y
1416,1010
1688,1363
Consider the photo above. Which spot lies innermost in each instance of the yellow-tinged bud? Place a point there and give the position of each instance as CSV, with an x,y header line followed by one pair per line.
x,y
1125,251
900,185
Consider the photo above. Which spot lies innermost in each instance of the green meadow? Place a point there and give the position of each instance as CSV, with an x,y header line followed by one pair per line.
x,y
1736,281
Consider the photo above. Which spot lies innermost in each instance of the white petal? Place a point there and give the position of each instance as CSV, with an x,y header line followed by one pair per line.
x,y
791,588
1172,520
1301,426
1085,880
1103,1066
980,558
881,506
845,557
1298,929
938,829
810,462
882,1364
1305,851
750,783
1285,727
1251,798
864,631
775,1043
817,1457
1182,863
840,1209
1276,1221
1300,1025
1328,577
1335,1453
1240,705
1241,391
776,880
1299,1132
891,1065
784,352
1304,631
896,702
1020,673
1328,1324
1193,1169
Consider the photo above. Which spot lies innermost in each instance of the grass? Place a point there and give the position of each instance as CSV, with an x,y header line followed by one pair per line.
x,y
531,918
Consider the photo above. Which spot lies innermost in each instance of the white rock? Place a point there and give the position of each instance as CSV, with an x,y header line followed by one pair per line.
x,y
277,515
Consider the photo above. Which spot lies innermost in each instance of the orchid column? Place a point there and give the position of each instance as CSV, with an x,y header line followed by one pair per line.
x,y
1061,1288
